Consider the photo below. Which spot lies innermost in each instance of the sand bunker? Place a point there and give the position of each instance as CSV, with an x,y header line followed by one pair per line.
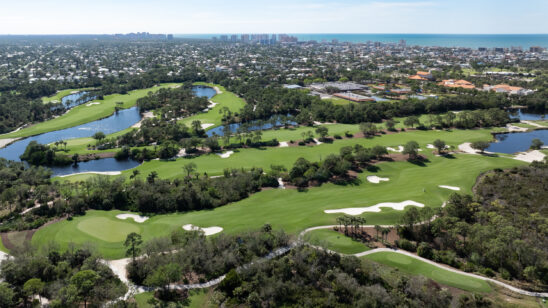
x,y
375,208
467,148
399,149
207,125
530,157
5,142
226,154
93,172
449,187
207,231
91,104
281,183
283,144
182,153
431,146
318,142
375,179
136,218
146,115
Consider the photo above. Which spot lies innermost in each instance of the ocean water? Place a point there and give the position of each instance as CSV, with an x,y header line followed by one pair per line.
x,y
442,40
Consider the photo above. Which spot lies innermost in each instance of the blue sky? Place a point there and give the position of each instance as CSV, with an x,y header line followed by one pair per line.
x,y
275,16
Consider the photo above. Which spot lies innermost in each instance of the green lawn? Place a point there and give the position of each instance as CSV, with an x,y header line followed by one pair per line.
x,y
294,211
84,114
246,158
335,241
197,299
417,267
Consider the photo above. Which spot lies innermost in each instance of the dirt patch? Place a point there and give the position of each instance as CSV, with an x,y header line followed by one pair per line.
x,y
27,237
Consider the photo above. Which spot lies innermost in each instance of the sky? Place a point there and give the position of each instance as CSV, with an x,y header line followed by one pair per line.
x,y
274,16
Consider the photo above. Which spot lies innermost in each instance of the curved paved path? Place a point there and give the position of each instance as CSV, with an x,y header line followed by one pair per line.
x,y
409,254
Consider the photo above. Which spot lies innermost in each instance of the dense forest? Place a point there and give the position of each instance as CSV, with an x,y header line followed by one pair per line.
x,y
502,230
67,278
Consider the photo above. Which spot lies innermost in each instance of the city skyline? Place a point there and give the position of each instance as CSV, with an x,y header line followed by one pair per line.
x,y
245,16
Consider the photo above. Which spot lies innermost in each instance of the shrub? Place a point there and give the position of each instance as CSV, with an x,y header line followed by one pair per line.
x,y
424,250
406,245
337,136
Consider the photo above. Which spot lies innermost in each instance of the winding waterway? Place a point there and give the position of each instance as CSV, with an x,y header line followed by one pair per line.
x,y
119,121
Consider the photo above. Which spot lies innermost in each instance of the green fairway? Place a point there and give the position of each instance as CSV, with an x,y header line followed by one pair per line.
x,y
294,211
106,229
335,241
247,158
417,267
84,113
225,99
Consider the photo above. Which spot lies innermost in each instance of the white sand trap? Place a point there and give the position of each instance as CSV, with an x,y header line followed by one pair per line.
x,y
455,188
5,142
146,115
431,146
182,153
375,179
91,104
399,149
283,144
375,208
207,231
94,172
136,218
207,125
211,105
281,183
530,157
318,142
226,154
218,90
512,128
467,148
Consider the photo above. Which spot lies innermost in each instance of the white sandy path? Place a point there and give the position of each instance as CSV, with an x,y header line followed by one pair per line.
x,y
207,125
467,148
281,183
218,90
93,103
5,142
455,188
146,115
93,172
283,144
531,156
511,128
533,123
376,180
207,231
136,218
399,206
400,149
226,154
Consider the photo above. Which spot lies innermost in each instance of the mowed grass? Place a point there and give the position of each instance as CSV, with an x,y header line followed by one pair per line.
x,y
197,299
294,211
225,99
84,114
264,158
418,267
335,241
107,229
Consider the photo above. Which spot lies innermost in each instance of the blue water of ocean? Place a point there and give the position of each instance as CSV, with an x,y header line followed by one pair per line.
x,y
442,40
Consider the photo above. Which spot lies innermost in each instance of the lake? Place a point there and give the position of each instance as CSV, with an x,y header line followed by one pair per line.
x,y
517,142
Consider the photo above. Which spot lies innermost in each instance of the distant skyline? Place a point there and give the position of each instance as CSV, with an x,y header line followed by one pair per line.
x,y
281,16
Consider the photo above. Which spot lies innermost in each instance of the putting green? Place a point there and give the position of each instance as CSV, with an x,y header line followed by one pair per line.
x,y
295,211
335,241
418,267
107,229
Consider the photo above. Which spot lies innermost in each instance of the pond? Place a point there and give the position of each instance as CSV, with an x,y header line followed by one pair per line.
x,y
119,121
73,100
517,142
203,91
255,125
528,116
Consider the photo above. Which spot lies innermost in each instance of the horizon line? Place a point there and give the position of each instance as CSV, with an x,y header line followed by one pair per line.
x,y
279,32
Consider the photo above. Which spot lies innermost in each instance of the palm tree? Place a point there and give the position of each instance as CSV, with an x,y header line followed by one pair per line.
x,y
377,228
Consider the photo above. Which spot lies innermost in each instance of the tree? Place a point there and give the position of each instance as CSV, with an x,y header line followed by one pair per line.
x,y
189,168
75,158
6,295
480,146
132,243
196,127
390,124
411,121
440,145
34,286
151,177
368,129
322,131
134,174
212,143
99,136
411,148
164,275
536,144
84,281
378,228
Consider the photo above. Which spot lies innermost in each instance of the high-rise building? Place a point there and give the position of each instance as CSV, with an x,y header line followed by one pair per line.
x,y
245,38
233,38
224,38
536,49
170,37
273,40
